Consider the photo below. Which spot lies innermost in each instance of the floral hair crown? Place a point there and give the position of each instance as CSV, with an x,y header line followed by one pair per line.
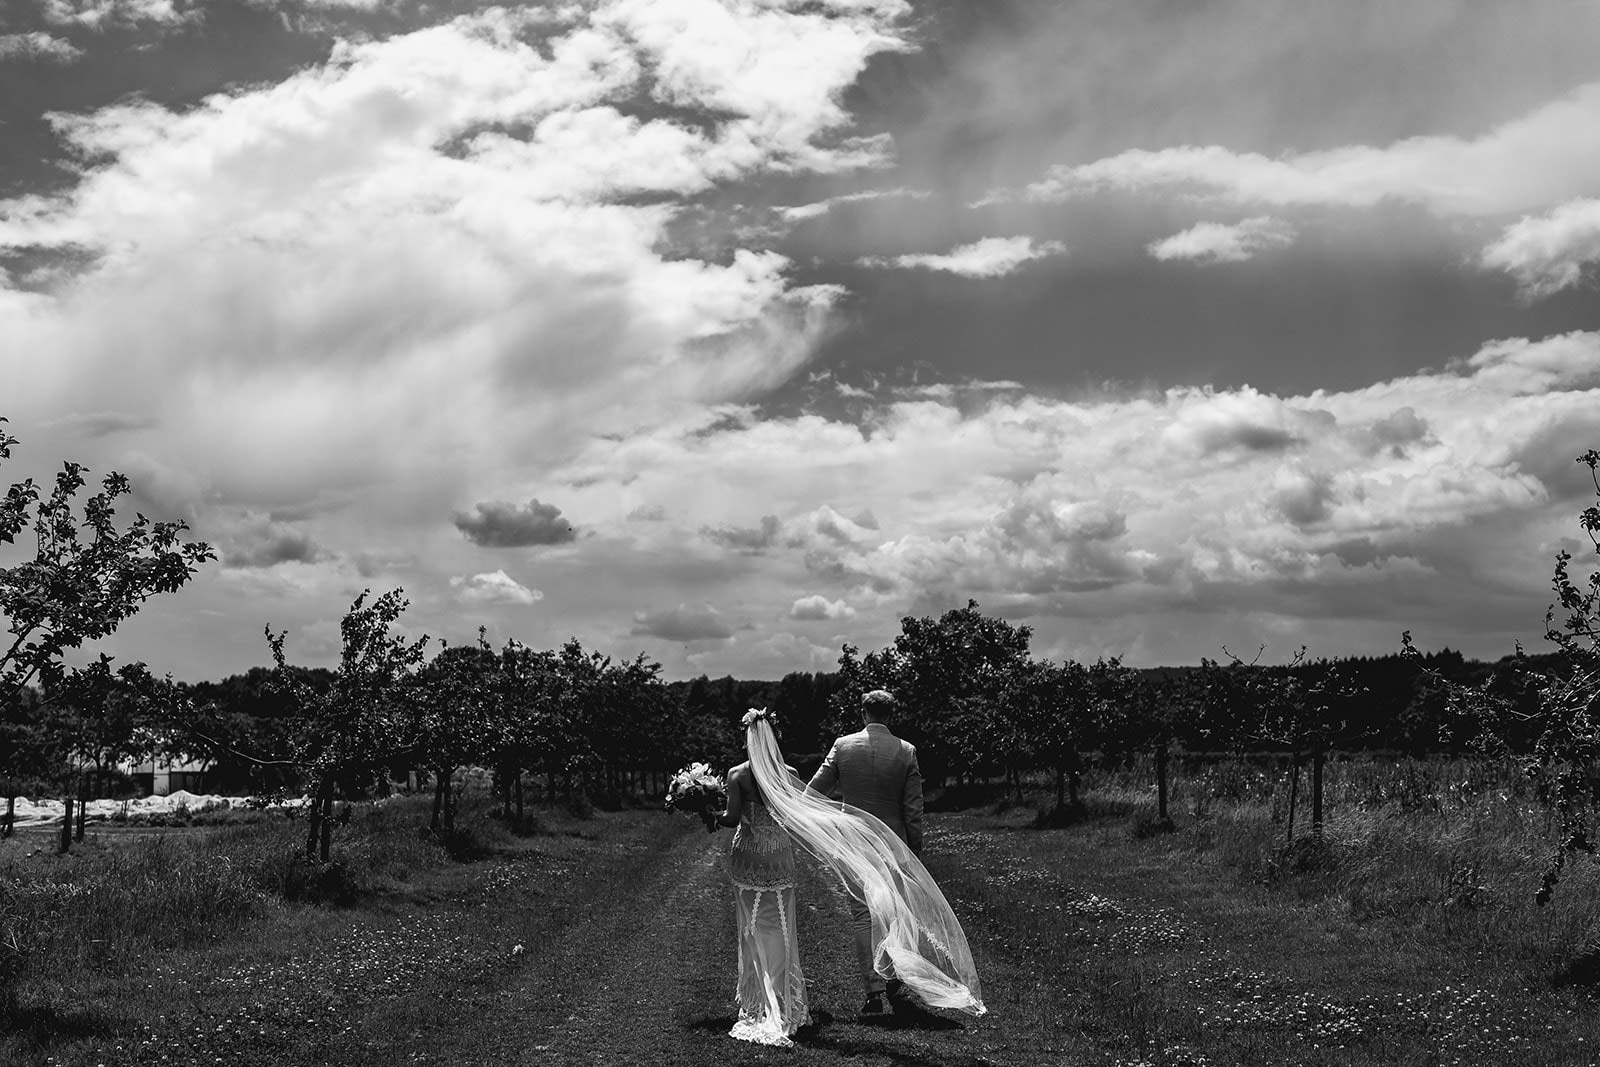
x,y
755,715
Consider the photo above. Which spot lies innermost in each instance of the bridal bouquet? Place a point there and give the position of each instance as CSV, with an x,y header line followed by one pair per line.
x,y
697,791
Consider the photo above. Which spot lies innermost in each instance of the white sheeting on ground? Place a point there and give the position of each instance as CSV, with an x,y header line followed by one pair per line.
x,y
43,811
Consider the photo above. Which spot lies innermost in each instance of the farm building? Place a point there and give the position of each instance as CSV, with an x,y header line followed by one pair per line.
x,y
160,777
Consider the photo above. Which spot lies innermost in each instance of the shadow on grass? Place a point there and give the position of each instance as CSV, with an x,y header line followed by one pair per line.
x,y
909,1015
965,797
822,1031
721,1024
1581,972
854,1042
45,1025
1091,810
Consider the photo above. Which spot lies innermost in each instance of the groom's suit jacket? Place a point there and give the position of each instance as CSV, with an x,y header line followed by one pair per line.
x,y
877,772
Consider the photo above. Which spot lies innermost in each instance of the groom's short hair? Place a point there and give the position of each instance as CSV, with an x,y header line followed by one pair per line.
x,y
878,705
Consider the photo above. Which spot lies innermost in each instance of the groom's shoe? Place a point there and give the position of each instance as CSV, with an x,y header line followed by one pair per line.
x,y
876,1007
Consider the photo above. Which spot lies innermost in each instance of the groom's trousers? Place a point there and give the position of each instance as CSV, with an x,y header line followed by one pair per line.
x,y
861,922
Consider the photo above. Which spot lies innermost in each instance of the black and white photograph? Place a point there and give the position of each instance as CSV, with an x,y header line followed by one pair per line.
x,y
832,533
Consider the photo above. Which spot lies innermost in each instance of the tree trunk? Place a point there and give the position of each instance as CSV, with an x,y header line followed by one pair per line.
x,y
1316,793
66,824
313,826
438,801
327,825
318,812
1161,781
1061,786
9,823
519,796
450,802
1294,791
83,806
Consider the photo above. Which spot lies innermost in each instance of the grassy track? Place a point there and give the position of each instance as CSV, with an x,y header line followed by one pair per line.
x,y
1096,947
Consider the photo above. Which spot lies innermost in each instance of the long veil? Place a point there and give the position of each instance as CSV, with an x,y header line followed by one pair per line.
x,y
915,935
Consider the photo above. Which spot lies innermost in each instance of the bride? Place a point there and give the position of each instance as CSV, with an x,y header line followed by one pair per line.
x,y
771,990
915,936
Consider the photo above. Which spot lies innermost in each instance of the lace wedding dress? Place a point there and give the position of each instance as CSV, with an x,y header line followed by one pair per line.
x,y
771,989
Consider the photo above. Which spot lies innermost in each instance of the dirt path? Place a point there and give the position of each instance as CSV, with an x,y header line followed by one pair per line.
x,y
645,975
622,972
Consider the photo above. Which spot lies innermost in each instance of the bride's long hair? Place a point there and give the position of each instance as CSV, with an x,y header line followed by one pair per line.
x,y
915,935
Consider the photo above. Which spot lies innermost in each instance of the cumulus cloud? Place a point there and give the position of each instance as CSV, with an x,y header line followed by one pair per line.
x,y
450,246
1303,498
1522,367
682,623
261,542
825,526
747,539
991,257
38,45
1241,421
102,14
494,587
1215,242
501,524
819,607
1532,162
1548,253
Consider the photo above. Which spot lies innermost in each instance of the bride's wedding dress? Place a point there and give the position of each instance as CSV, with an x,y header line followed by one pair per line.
x,y
771,989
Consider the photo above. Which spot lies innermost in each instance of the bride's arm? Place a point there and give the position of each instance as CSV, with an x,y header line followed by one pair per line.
x,y
735,802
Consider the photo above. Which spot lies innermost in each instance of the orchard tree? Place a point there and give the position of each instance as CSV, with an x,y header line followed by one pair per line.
x,y
633,709
1302,707
950,676
1066,709
86,576
454,712
242,717
801,704
1146,712
1550,718
1055,706
106,718
531,698
615,712
348,733
30,753
542,725
578,741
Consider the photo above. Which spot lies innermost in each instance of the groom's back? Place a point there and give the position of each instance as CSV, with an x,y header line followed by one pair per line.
x,y
877,772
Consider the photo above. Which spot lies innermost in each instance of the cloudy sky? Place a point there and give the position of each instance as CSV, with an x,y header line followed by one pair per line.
x,y
732,330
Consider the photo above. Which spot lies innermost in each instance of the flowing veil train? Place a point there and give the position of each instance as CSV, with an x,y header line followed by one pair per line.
x,y
915,935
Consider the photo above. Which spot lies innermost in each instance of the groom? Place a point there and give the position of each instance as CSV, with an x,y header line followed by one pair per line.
x,y
877,772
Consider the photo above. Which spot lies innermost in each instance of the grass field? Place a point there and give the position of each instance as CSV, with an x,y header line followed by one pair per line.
x,y
1407,940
